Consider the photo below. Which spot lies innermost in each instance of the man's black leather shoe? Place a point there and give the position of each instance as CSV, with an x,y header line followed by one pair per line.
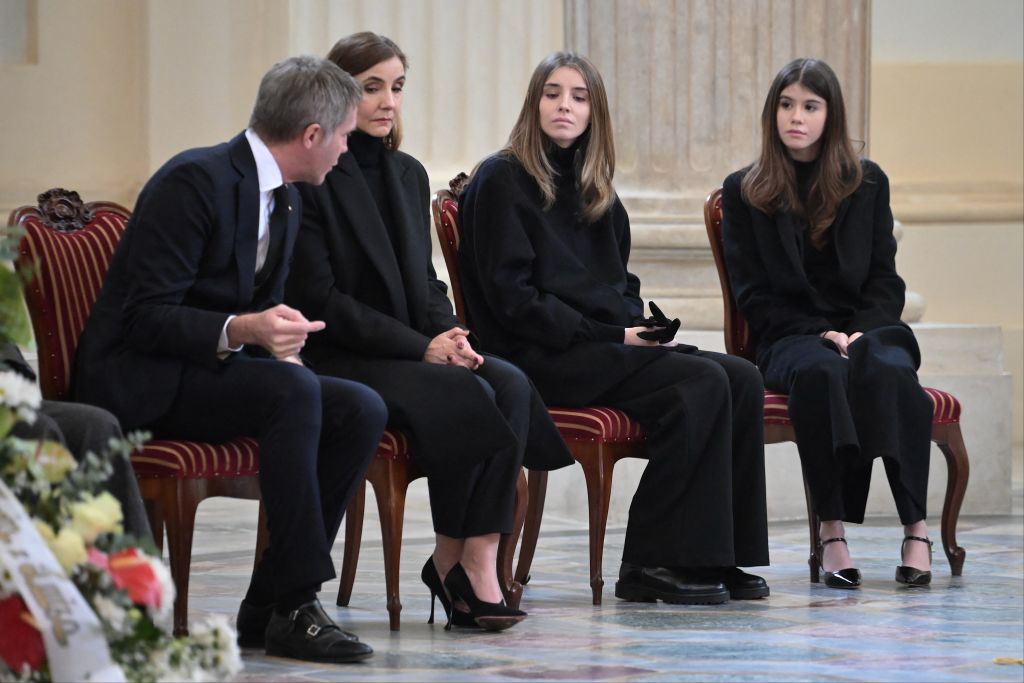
x,y
251,624
741,585
308,633
675,586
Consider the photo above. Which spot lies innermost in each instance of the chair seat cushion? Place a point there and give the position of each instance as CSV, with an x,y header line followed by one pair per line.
x,y
596,423
196,460
946,407
237,458
394,446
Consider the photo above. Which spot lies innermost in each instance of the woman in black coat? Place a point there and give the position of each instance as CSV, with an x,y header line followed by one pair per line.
x,y
811,255
545,245
362,264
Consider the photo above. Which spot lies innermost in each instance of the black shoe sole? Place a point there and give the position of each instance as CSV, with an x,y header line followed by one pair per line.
x,y
498,623
345,659
634,593
748,593
911,577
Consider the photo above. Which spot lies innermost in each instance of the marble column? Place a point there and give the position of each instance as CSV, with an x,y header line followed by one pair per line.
x,y
686,82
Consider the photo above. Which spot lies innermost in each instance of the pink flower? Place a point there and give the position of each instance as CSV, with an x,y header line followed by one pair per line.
x,y
97,558
133,571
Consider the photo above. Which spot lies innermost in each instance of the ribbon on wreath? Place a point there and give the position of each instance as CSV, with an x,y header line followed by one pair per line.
x,y
76,648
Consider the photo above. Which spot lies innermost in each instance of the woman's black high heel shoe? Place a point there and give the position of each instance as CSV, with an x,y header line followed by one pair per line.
x,y
432,579
493,616
912,576
844,578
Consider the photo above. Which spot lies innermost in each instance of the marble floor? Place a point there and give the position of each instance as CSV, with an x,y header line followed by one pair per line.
x,y
968,628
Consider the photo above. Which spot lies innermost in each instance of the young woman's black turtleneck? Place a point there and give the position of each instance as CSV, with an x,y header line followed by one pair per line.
x,y
369,152
820,264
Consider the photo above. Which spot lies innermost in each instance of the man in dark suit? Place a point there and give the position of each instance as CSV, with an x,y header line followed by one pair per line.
x,y
189,339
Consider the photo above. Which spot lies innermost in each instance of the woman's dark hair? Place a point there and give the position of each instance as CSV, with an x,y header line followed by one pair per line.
x,y
360,51
770,184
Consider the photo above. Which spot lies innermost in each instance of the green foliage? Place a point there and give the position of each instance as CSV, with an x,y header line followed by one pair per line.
x,y
14,321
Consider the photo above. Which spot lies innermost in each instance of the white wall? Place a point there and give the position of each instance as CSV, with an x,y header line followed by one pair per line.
x,y
947,125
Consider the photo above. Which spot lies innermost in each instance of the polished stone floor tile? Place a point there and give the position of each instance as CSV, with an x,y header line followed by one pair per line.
x,y
955,630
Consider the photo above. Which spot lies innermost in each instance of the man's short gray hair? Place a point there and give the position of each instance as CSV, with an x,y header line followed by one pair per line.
x,y
298,91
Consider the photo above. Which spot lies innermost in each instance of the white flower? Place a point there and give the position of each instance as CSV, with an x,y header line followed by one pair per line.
x,y
113,614
18,392
162,615
216,645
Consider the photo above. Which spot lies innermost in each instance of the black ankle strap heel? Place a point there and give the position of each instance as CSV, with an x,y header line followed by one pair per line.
x,y
843,578
912,576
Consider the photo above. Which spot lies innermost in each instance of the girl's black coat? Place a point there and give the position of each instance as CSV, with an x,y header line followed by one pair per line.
x,y
767,274
546,273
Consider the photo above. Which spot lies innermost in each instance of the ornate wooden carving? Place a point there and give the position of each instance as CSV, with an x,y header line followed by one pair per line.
x,y
63,210
458,184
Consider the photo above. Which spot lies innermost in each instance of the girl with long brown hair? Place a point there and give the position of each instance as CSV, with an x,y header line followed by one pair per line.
x,y
544,253
809,243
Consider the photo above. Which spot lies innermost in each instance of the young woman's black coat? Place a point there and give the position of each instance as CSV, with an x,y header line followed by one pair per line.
x,y
577,291
767,272
846,412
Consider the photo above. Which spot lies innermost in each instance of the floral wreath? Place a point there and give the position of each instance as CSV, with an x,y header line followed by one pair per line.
x,y
79,599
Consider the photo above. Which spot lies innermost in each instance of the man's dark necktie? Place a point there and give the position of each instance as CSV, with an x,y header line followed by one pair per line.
x,y
278,225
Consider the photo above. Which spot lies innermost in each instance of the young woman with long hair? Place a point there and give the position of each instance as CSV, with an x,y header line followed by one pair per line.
x,y
544,252
809,244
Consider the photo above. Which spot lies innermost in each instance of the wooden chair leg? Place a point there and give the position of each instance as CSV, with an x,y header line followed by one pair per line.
x,y
510,588
538,487
814,533
390,481
156,523
353,539
178,507
598,473
950,440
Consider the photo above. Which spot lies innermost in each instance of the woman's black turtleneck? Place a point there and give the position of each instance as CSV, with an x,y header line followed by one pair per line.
x,y
369,153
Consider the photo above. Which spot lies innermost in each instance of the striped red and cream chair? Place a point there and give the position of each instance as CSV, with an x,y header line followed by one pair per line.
x,y
778,428
597,436
66,249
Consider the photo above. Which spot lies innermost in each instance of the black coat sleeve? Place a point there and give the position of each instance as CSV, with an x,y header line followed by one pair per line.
x,y
771,315
632,294
883,293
